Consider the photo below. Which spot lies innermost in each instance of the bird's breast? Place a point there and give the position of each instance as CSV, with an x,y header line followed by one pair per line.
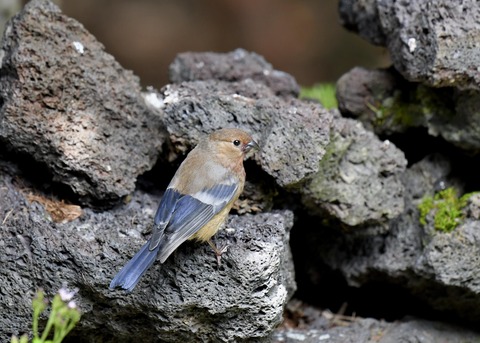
x,y
211,228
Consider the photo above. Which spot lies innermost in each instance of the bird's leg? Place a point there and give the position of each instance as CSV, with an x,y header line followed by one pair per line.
x,y
218,252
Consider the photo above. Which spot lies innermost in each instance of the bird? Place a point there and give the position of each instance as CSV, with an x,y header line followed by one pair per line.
x,y
196,202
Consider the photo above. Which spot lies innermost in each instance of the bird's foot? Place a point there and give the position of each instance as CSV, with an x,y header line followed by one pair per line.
x,y
219,252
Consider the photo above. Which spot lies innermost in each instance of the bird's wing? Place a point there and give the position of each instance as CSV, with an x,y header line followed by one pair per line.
x,y
166,207
179,216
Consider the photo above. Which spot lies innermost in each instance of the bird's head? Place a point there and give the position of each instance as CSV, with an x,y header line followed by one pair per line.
x,y
234,143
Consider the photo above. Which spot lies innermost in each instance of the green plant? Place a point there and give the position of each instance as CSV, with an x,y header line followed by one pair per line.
x,y
447,207
63,317
323,92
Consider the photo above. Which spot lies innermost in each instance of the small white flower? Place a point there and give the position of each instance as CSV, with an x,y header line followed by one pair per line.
x,y
71,304
67,295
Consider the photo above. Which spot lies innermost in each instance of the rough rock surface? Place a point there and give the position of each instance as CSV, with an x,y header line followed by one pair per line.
x,y
381,99
374,331
430,42
335,166
68,104
189,298
388,104
292,133
358,180
361,16
437,267
234,66
294,136
432,87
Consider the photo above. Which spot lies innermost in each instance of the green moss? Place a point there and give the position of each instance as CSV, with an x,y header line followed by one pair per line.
x,y
397,110
325,93
410,107
320,186
425,207
448,208
436,102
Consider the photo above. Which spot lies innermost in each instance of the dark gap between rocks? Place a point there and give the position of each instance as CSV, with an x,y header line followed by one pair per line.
x,y
35,177
327,289
417,144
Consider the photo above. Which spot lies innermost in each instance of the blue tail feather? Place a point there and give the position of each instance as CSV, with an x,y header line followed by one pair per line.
x,y
128,277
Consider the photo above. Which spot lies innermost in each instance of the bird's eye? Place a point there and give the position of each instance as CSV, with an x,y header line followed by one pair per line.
x,y
236,142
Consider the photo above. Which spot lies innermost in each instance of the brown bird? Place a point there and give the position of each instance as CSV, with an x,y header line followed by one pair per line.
x,y
196,202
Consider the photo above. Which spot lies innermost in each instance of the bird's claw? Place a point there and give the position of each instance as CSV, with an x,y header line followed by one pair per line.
x,y
219,252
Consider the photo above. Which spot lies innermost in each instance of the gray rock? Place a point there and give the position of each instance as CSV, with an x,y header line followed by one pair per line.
x,y
367,330
359,331
453,261
386,103
430,42
362,17
292,133
70,105
462,127
359,177
363,257
294,136
381,99
233,66
417,330
438,267
188,298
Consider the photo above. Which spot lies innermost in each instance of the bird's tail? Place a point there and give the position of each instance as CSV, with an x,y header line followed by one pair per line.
x,y
128,277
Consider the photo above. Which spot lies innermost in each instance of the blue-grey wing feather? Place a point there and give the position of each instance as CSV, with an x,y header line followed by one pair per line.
x,y
178,217
191,213
130,274
167,206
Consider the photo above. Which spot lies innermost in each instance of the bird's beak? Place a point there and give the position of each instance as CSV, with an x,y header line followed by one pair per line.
x,y
251,145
